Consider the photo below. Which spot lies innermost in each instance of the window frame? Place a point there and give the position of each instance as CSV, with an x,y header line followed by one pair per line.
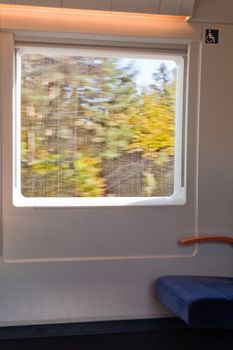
x,y
179,195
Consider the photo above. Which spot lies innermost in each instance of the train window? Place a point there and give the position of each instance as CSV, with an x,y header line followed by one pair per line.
x,y
98,127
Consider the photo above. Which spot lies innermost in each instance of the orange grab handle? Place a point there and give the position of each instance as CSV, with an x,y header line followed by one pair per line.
x,y
204,239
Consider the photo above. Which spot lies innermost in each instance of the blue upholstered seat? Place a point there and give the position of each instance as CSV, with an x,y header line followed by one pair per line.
x,y
202,302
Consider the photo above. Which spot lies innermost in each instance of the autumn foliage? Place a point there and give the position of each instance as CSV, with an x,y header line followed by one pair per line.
x,y
88,130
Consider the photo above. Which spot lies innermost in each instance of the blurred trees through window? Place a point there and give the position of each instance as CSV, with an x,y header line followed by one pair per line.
x,y
89,130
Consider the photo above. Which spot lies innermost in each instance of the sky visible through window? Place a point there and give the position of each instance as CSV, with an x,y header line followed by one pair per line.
x,y
146,68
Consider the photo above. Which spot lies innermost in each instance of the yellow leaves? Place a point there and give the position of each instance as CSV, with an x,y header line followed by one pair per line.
x,y
154,129
149,184
79,178
88,181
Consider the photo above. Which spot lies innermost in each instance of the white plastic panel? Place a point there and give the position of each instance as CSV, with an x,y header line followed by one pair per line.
x,y
49,3
171,7
108,26
88,4
145,6
36,293
165,7
187,7
214,11
94,233
216,141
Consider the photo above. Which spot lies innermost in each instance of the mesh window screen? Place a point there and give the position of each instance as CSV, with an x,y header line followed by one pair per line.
x,y
97,126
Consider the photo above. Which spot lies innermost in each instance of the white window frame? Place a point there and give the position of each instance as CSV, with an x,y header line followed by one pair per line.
x,y
179,195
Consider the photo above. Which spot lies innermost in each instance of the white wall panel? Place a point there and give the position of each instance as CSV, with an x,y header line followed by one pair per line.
x,y
42,237
94,291
1,112
79,291
213,11
216,141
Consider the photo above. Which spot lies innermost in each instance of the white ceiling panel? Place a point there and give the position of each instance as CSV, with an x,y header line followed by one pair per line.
x,y
171,7
187,7
164,7
88,4
48,3
142,6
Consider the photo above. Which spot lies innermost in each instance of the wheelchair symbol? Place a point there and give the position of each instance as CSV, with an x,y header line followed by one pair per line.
x,y
210,38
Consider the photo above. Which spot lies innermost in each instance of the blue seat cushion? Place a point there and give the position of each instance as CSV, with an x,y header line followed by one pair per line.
x,y
202,302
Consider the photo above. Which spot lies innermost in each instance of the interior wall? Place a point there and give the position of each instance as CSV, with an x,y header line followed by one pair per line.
x,y
102,289
214,11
